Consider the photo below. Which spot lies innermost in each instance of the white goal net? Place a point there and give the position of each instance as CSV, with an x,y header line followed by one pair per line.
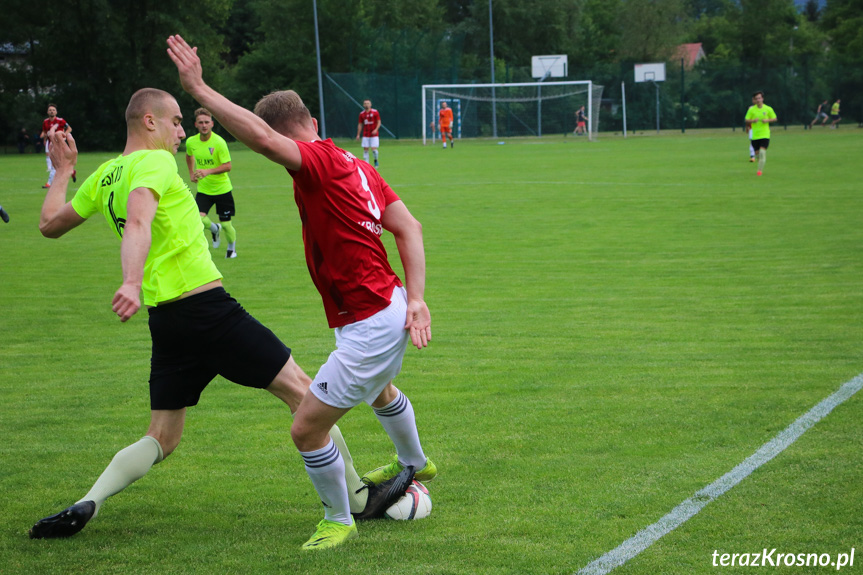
x,y
512,110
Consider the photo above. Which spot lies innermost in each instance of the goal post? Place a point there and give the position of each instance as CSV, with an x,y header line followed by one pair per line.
x,y
522,108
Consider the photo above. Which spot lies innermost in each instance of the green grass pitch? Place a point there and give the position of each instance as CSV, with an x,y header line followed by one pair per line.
x,y
616,324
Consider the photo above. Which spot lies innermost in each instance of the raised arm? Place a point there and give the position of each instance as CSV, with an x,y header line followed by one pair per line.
x,y
58,216
242,123
408,233
140,211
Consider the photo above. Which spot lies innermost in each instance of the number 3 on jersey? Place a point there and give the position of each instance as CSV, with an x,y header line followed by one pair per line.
x,y
373,204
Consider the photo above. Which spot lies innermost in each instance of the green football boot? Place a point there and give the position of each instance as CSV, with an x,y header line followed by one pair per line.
x,y
329,534
387,472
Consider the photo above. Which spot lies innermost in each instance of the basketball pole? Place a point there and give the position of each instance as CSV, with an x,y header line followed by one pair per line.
x,y
491,49
623,97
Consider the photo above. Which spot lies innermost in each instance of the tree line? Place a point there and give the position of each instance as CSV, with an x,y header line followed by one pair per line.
x,y
88,56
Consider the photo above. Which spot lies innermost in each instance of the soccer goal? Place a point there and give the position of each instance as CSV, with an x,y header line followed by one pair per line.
x,y
512,110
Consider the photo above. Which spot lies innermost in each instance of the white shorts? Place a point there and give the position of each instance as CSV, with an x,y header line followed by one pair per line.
x,y
368,356
372,142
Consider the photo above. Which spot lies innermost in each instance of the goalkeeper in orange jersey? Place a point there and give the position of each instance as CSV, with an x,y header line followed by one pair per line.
x,y
445,123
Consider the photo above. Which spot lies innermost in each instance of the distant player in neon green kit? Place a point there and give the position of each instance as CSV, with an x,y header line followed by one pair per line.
x,y
759,117
209,162
834,113
198,330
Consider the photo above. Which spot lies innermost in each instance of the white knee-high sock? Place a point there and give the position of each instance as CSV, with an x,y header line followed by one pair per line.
x,y
400,424
128,466
762,159
51,170
366,155
356,494
326,469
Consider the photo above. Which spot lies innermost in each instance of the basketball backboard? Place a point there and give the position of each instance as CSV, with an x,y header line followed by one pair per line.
x,y
549,66
650,72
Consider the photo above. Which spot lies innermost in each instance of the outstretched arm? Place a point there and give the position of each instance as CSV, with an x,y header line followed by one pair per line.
x,y
242,123
408,233
58,216
140,211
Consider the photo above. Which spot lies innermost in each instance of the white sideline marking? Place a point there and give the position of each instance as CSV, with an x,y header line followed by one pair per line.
x,y
680,514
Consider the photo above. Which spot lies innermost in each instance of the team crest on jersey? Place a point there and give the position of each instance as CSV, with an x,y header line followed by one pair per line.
x,y
211,150
349,156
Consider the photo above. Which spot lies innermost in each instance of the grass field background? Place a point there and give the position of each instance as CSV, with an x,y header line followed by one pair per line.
x,y
616,324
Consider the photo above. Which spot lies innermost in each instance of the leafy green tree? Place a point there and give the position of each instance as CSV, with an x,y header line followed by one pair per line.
x,y
718,27
89,56
842,21
651,29
595,33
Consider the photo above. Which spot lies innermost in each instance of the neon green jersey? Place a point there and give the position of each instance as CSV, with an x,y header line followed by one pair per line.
x,y
210,154
760,130
834,109
179,258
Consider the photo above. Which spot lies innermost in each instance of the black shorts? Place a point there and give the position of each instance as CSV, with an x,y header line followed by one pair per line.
x,y
204,335
224,205
762,143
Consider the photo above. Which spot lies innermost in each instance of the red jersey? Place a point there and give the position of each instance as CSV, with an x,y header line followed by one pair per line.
x,y
48,123
445,117
369,120
341,201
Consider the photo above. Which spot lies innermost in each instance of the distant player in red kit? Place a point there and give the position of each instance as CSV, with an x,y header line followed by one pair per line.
x,y
48,123
345,206
370,123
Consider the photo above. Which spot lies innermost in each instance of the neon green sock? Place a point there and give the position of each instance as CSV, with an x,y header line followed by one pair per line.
x,y
230,232
208,223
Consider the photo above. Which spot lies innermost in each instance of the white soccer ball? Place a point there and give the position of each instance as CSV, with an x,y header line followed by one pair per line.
x,y
414,504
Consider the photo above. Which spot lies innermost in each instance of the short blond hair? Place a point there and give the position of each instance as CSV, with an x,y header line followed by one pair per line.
x,y
284,111
145,100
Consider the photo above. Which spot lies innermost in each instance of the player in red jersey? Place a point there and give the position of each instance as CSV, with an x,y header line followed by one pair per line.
x,y
48,123
368,126
445,123
344,206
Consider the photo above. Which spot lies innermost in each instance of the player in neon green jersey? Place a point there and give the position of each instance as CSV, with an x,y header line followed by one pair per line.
x,y
198,330
209,162
834,113
759,117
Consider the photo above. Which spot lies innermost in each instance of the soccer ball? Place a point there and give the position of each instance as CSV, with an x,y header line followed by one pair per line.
x,y
414,504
